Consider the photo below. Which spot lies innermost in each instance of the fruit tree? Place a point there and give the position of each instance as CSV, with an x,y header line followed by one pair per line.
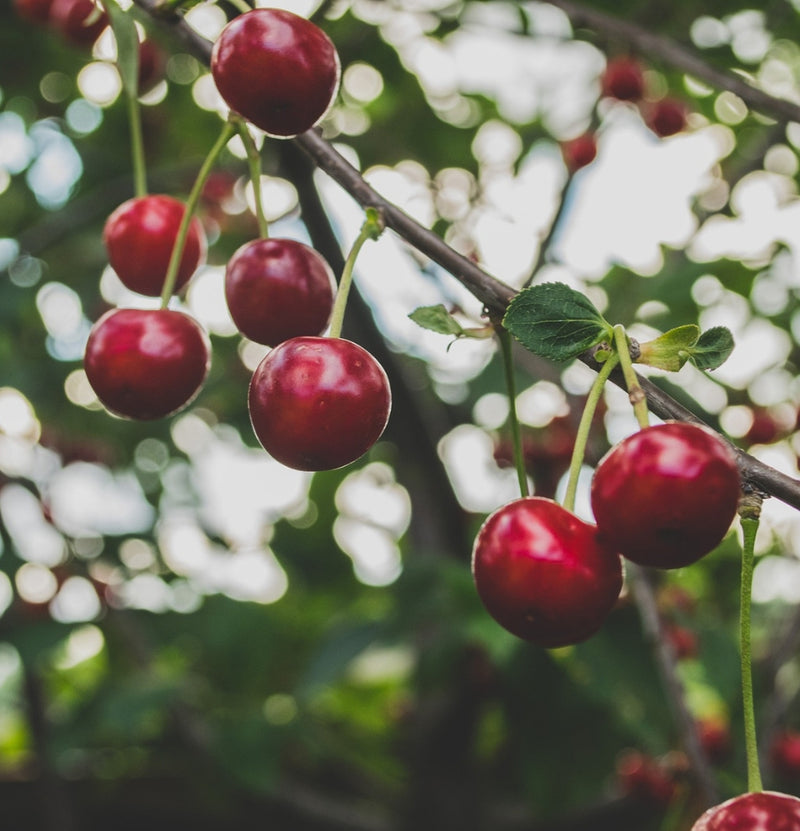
x,y
399,415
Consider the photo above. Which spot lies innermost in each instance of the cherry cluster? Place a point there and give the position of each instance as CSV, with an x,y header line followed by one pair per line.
x,y
315,402
624,80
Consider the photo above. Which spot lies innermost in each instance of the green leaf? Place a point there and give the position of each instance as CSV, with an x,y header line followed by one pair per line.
x,y
713,348
437,319
671,350
127,47
555,321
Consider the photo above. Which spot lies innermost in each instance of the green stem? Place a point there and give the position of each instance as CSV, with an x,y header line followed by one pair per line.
x,y
241,6
137,145
582,436
371,229
516,438
225,136
749,529
254,164
635,392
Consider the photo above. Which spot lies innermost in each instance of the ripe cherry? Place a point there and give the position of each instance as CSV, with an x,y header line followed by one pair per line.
x,y
139,237
152,63
623,79
278,289
34,11
146,363
543,574
785,754
714,734
80,22
579,152
318,403
278,70
666,117
667,495
643,777
761,811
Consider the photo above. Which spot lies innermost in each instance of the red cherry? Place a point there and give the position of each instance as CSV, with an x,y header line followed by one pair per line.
x,y
579,152
152,63
34,11
81,22
666,117
543,574
318,403
146,363
785,754
762,811
683,641
139,237
623,79
645,778
765,429
667,495
278,70
714,734
278,289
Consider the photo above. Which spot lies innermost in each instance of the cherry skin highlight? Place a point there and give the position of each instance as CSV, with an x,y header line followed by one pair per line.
x,y
146,363
276,69
277,289
762,811
70,18
318,403
543,574
139,237
667,495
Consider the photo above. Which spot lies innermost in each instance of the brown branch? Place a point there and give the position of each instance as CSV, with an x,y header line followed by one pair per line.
x,y
660,48
489,290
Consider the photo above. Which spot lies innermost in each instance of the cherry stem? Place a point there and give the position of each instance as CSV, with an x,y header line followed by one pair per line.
x,y
137,146
584,427
225,136
254,163
749,516
511,388
241,6
635,392
371,229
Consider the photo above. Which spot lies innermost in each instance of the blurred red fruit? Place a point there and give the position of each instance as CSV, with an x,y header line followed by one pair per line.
x,y
579,152
623,79
645,778
666,117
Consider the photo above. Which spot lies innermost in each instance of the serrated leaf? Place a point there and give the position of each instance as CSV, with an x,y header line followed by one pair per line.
x,y
437,319
555,321
713,348
671,350
127,47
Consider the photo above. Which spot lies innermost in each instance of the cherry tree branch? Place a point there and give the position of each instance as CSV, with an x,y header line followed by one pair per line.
x,y
493,293
660,48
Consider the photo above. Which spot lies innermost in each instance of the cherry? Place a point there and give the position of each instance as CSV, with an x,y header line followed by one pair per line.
x,y
623,79
146,363
81,22
643,777
543,573
278,289
683,641
579,152
765,428
139,237
318,403
785,754
278,70
152,62
34,11
666,117
667,495
714,735
761,811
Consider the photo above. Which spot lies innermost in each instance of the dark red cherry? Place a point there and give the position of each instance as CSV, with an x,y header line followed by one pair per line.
x,y
146,363
667,495
278,289
666,117
80,22
139,237
152,64
784,754
278,70
543,574
623,79
34,11
318,403
761,811
579,152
